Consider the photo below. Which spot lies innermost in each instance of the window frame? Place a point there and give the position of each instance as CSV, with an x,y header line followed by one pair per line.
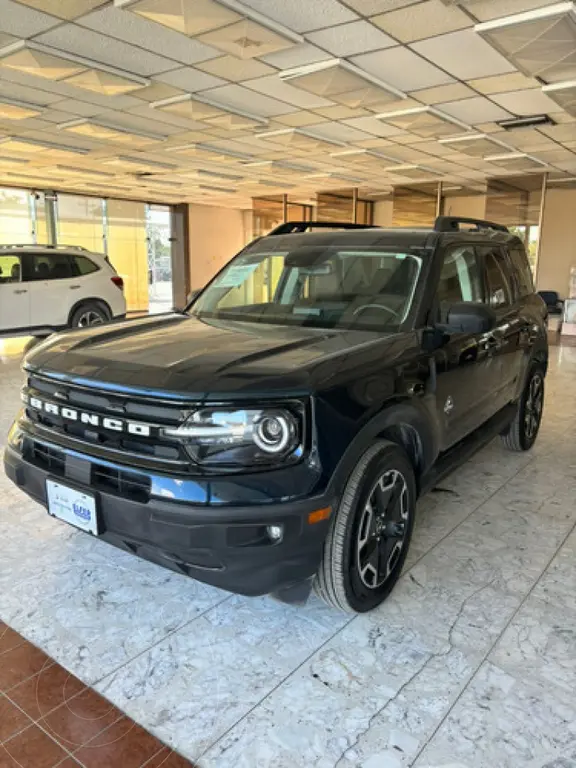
x,y
488,249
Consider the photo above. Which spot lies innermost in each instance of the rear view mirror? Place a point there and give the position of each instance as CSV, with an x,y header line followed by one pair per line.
x,y
467,317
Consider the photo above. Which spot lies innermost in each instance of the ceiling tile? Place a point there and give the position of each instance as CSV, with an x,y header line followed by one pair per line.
x,y
486,10
464,54
297,97
297,56
402,68
190,79
134,29
371,7
373,126
79,108
298,119
340,112
303,15
64,9
451,92
232,68
24,22
350,39
239,97
6,40
423,20
158,91
515,81
560,132
190,17
339,132
33,95
104,49
476,110
530,102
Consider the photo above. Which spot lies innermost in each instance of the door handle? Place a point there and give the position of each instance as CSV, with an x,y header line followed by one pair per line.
x,y
21,290
74,287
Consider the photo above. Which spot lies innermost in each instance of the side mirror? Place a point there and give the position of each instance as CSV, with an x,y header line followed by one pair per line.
x,y
467,317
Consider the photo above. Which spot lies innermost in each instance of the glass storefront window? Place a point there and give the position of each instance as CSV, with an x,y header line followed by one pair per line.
x,y
80,222
158,230
128,249
16,222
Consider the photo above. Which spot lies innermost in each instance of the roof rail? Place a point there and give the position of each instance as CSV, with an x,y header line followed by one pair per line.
x,y
452,224
46,246
291,227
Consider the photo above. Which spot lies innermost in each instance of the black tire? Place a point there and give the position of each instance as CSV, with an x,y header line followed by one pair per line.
x,y
523,431
340,581
90,313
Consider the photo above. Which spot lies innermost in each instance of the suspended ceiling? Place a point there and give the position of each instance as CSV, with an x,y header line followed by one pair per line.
x,y
220,101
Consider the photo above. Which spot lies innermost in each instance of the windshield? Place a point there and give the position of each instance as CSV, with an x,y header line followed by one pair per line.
x,y
319,286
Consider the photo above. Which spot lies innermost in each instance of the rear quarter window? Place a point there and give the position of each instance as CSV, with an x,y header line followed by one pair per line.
x,y
521,269
82,265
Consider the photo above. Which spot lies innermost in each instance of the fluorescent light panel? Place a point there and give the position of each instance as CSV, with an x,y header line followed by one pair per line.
x,y
227,25
104,131
124,161
208,111
564,94
478,145
426,122
32,146
342,82
413,171
209,152
517,161
540,43
43,61
363,157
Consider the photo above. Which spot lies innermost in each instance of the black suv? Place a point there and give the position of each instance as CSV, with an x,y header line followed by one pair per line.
x,y
276,434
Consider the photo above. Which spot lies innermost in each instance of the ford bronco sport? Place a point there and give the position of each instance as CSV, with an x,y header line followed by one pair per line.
x,y
274,436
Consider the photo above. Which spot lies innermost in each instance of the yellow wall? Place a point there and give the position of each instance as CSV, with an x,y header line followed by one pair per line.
x,y
558,241
128,250
472,207
383,211
216,235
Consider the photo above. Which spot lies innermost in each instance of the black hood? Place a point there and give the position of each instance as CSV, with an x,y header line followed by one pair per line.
x,y
178,354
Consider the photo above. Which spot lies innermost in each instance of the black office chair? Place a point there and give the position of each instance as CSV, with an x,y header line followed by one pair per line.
x,y
553,302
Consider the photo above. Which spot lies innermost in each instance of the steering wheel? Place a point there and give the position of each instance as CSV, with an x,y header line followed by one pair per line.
x,y
364,307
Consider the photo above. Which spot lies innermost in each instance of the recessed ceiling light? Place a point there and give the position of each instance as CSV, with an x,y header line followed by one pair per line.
x,y
540,43
342,82
279,165
76,171
517,161
32,146
478,145
427,122
206,110
225,24
125,161
300,139
104,131
18,110
563,94
529,121
220,190
43,61
363,156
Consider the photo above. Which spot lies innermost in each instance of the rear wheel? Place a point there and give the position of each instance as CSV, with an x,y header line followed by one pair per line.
x,y
88,314
367,545
523,431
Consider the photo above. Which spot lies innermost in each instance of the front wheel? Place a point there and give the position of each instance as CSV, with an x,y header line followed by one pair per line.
x,y
368,542
522,433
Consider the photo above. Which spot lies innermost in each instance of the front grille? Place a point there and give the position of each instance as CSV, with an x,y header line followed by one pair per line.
x,y
128,485
96,410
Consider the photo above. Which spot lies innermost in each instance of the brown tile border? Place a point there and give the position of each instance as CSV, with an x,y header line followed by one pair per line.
x,y
50,719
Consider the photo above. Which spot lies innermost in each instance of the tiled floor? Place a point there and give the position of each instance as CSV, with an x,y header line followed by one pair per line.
x,y
470,664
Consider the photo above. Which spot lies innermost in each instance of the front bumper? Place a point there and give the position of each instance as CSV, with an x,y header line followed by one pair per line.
x,y
226,546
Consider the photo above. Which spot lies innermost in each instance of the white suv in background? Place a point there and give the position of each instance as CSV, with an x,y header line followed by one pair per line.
x,y
47,288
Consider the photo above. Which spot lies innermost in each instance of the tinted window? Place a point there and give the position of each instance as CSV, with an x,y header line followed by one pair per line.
x,y
10,269
83,266
50,266
499,288
460,280
522,270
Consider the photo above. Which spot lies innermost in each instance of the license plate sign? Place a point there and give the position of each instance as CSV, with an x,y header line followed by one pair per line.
x,y
72,506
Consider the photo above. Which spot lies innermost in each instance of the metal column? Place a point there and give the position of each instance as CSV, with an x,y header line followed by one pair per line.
x,y
355,205
540,224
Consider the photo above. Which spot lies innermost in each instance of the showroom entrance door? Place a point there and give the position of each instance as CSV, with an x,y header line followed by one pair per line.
x,y
158,228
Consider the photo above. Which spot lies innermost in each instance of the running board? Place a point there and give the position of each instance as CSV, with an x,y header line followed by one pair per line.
x,y
465,449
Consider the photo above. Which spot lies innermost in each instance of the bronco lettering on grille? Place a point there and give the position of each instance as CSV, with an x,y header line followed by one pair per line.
x,y
90,419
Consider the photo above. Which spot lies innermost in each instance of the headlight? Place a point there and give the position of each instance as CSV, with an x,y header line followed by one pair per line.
x,y
243,436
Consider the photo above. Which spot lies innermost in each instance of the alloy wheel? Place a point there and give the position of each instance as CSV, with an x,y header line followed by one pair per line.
x,y
533,406
90,317
382,530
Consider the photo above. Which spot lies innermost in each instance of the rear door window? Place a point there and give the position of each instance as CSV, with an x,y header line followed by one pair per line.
x,y
50,266
521,269
498,279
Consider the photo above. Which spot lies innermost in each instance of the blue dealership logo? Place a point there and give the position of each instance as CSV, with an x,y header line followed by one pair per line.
x,y
82,512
